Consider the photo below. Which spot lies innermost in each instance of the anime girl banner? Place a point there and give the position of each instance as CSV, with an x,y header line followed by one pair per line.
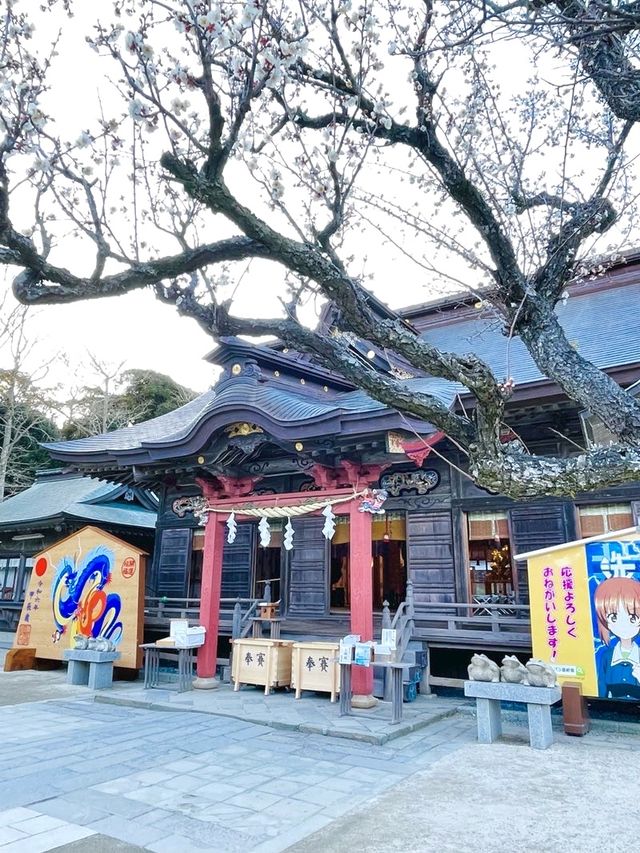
x,y
89,584
585,613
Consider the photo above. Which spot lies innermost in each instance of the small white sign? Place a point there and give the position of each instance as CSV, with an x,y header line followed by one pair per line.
x,y
362,656
345,655
389,638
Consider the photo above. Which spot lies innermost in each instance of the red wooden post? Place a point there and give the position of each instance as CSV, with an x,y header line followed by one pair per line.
x,y
361,586
214,535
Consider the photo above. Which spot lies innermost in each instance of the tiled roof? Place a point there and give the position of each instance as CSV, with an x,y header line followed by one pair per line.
x,y
594,322
240,399
79,497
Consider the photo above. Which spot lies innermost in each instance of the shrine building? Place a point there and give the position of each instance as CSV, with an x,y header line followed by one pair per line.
x,y
262,481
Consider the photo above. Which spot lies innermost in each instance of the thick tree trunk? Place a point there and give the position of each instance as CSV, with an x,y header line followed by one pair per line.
x,y
581,380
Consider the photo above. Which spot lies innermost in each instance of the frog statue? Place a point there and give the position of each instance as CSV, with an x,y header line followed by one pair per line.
x,y
482,668
512,671
541,674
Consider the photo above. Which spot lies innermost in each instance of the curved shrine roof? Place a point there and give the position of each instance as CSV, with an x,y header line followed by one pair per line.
x,y
282,410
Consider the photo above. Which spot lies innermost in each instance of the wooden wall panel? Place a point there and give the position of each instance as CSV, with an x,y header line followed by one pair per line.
x,y
536,526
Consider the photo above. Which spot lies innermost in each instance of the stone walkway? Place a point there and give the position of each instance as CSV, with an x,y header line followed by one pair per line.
x,y
311,714
78,772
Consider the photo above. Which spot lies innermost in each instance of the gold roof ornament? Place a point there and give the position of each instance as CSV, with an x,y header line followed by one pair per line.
x,y
240,429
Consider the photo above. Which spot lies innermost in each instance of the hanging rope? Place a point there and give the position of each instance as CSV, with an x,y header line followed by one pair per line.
x,y
256,511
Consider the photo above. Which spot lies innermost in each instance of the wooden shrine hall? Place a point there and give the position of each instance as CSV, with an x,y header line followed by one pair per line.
x,y
285,478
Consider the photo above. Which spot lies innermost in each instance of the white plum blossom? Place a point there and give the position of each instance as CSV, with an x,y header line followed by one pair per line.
x,y
138,110
250,12
36,116
179,105
132,41
84,140
42,164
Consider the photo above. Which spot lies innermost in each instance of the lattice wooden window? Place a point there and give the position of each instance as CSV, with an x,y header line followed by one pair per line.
x,y
488,525
595,520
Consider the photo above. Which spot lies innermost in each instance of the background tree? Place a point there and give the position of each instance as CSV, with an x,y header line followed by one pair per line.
x,y
23,422
293,132
120,399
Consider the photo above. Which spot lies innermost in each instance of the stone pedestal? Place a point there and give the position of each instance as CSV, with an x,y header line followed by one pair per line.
x,y
205,683
538,700
91,668
363,701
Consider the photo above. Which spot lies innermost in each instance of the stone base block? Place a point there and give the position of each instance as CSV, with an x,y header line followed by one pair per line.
x,y
363,702
205,683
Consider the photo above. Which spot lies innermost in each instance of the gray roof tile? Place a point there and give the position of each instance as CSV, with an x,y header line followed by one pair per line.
x,y
278,402
593,322
74,496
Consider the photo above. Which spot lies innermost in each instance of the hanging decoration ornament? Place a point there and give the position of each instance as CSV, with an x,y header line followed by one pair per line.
x,y
329,527
288,536
265,532
232,528
372,500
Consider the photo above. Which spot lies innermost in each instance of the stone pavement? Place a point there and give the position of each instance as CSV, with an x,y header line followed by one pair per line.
x,y
311,714
32,685
76,773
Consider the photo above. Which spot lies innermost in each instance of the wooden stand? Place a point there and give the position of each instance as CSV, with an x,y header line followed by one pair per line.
x,y
346,692
261,662
314,666
273,623
152,655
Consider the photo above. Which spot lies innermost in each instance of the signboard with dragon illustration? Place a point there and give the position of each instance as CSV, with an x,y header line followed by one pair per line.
x,y
89,584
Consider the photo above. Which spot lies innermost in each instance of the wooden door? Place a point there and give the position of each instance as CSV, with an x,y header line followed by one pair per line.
x,y
430,560
172,565
534,526
237,562
308,569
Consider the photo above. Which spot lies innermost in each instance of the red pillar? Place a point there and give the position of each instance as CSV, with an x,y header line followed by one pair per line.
x,y
214,536
361,586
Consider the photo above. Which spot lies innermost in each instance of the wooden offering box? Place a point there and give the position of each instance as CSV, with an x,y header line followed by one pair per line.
x,y
315,666
258,661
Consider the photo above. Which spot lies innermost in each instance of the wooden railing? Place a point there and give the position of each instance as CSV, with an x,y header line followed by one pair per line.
x,y
402,622
460,624
235,613
439,623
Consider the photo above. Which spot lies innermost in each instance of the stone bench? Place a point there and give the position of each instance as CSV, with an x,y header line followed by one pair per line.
x,y
86,666
538,700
